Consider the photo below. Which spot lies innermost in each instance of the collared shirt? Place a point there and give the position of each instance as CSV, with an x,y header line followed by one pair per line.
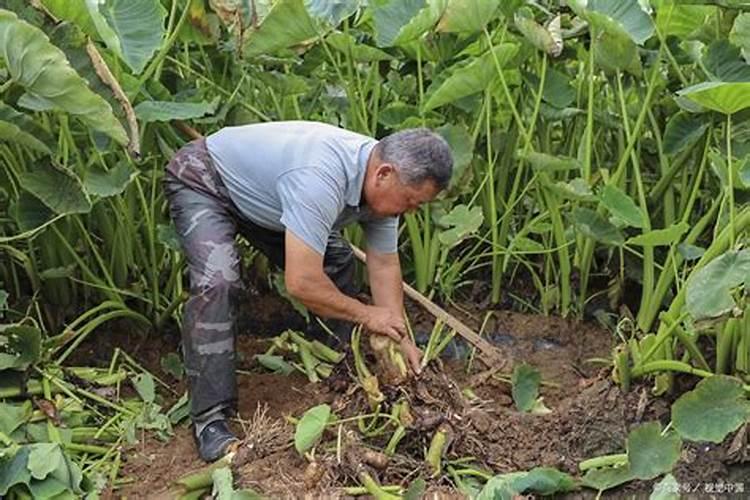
x,y
305,177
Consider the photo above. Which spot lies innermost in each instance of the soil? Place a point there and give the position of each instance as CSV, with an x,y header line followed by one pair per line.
x,y
590,415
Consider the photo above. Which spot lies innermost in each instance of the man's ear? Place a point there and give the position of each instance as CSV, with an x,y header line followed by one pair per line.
x,y
384,172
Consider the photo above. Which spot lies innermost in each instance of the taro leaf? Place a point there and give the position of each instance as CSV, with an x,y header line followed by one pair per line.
x,y
621,206
462,221
543,481
740,34
167,236
549,163
30,213
43,459
683,130
724,62
164,111
21,129
74,11
627,14
576,189
660,237
400,21
332,11
558,90
459,140
709,288
60,190
21,347
416,489
133,29
526,380
649,453
690,252
44,72
666,489
172,364
310,427
13,416
467,16
110,182
715,408
724,97
608,477
594,226
535,33
527,245
468,79
287,24
144,384
13,469
347,44
681,21
276,364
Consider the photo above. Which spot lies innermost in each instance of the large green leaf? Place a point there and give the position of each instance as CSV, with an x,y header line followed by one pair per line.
x,y
683,130
58,189
13,416
345,43
43,459
400,21
716,407
740,35
110,182
675,18
74,11
287,24
660,237
20,347
133,29
594,226
725,97
539,36
468,16
650,453
310,427
724,62
627,14
608,477
29,212
467,79
13,469
43,70
541,480
666,489
164,111
526,380
709,288
621,206
459,140
461,221
21,129
549,163
332,11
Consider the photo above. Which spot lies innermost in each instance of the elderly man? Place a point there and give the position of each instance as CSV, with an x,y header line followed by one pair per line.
x,y
289,188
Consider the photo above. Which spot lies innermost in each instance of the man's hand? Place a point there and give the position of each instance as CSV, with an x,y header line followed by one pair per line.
x,y
412,353
383,321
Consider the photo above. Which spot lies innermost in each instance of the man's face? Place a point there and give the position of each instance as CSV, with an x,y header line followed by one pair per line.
x,y
390,196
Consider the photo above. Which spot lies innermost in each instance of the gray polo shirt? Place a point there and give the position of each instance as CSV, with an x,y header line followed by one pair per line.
x,y
306,177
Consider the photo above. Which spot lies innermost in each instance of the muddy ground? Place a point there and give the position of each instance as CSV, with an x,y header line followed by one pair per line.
x,y
590,415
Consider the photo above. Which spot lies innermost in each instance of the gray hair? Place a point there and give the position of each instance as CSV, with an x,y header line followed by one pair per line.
x,y
418,154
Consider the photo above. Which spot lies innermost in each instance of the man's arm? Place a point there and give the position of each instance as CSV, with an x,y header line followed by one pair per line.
x,y
307,282
384,274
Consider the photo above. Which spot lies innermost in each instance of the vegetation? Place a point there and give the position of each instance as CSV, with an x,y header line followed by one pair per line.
x,y
603,168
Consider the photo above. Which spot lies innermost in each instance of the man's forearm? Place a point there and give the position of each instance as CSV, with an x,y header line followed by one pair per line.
x,y
384,273
322,297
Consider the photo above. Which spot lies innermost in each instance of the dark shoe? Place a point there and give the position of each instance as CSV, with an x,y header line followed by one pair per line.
x,y
214,440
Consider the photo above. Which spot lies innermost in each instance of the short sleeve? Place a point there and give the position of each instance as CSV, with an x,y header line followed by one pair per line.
x,y
382,234
310,202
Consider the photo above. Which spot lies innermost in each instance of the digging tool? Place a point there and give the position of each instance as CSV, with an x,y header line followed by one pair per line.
x,y
489,354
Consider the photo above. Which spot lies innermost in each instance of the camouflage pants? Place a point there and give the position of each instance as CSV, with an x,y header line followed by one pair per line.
x,y
207,222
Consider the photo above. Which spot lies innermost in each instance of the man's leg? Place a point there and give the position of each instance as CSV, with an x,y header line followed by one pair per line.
x,y
207,230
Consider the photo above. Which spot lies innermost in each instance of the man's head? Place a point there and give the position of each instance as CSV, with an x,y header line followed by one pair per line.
x,y
406,169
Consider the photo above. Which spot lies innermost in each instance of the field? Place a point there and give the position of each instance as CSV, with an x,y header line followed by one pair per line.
x,y
593,233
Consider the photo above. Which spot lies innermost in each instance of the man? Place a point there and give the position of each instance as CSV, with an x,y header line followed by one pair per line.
x,y
289,188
